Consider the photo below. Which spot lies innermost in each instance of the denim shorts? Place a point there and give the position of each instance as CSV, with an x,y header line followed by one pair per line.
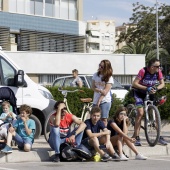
x,y
105,108
21,141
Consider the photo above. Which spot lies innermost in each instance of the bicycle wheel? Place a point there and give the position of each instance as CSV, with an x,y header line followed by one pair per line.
x,y
47,126
131,113
152,125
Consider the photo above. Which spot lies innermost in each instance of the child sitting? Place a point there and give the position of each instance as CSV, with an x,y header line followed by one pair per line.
x,y
22,132
6,119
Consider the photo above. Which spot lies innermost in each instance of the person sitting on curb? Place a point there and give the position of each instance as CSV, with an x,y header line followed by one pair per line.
x,y
22,132
60,129
119,128
97,134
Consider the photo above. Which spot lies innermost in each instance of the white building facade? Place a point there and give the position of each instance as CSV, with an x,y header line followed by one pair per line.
x,y
100,36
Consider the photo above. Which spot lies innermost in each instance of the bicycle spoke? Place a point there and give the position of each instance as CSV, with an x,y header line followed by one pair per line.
x,y
152,125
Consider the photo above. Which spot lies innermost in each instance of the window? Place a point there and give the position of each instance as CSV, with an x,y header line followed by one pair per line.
x,y
58,83
12,5
57,8
38,7
20,6
1,5
64,9
8,73
72,10
49,8
68,81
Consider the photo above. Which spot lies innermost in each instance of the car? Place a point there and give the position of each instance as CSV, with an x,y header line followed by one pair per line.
x,y
65,81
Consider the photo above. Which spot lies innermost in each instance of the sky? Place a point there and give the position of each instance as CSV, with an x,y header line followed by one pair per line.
x,y
118,10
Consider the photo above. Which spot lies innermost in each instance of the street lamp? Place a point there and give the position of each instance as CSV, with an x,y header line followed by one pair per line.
x,y
157,39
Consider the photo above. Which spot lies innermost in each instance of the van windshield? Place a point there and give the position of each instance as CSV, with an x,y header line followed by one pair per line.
x,y
116,84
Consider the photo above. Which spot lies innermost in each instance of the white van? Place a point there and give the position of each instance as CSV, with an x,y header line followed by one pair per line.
x,y
26,91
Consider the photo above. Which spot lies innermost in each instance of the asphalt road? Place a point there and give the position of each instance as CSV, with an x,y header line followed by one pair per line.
x,y
153,163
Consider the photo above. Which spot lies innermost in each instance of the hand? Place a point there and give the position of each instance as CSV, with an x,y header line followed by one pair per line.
x,y
61,106
133,140
11,129
71,139
125,118
24,119
151,90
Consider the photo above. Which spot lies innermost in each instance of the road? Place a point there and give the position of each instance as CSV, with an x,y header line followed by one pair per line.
x,y
153,163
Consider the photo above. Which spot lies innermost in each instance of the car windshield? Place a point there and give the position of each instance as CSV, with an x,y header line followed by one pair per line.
x,y
116,84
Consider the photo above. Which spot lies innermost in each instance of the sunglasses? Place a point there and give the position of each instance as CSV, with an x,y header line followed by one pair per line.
x,y
65,108
101,66
157,66
123,113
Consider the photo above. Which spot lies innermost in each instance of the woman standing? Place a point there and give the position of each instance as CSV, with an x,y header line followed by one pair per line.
x,y
101,84
119,128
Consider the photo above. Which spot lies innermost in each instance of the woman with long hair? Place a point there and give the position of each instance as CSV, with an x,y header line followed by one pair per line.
x,y
119,129
101,84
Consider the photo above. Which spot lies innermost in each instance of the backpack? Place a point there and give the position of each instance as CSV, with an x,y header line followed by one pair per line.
x,y
66,153
146,71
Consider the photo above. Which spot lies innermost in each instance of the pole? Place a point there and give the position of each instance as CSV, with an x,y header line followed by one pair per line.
x,y
157,38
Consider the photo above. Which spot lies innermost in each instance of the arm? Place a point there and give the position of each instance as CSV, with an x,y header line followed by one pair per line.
x,y
56,120
102,133
80,83
120,132
137,85
81,128
104,92
161,84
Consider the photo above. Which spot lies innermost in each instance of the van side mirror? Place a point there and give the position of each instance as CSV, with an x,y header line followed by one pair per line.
x,y
19,78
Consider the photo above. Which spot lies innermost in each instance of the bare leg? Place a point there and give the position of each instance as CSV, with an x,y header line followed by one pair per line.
x,y
131,146
104,121
9,137
138,121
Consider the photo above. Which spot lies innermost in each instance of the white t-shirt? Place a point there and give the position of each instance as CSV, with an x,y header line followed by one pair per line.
x,y
101,85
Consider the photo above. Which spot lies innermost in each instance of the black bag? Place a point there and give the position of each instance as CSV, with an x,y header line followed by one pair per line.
x,y
67,153
82,151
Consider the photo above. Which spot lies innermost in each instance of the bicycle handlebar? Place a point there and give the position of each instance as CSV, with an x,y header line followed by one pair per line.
x,y
69,91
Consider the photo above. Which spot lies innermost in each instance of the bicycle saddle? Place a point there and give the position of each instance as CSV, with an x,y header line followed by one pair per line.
x,y
86,100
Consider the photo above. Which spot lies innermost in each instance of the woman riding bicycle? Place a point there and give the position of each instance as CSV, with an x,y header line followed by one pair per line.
x,y
145,81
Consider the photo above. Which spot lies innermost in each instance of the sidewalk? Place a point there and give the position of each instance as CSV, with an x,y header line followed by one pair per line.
x,y
42,152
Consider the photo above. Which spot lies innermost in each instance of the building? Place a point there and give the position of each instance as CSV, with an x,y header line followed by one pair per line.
x,y
42,25
122,29
100,36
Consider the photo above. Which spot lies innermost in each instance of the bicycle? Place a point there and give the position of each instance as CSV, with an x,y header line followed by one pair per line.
x,y
84,115
152,120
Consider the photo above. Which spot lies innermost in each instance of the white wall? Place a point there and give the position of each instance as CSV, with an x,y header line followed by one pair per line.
x,y
64,63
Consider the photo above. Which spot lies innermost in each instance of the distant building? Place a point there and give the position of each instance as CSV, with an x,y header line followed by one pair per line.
x,y
100,36
42,25
119,30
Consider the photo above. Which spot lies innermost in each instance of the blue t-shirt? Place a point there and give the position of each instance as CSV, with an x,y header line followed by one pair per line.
x,y
113,132
20,128
9,119
94,128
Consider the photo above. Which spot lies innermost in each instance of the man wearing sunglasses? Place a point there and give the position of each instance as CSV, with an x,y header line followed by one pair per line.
x,y
60,129
145,81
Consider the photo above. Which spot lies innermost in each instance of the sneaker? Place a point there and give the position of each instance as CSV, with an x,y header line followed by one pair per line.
x,y
123,158
140,157
162,141
115,157
137,143
7,149
106,158
57,158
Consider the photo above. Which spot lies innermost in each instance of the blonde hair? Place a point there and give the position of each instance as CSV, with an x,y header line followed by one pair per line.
x,y
6,103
